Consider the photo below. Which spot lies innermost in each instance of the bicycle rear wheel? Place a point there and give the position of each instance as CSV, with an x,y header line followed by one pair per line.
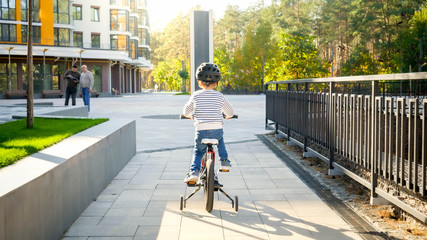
x,y
209,184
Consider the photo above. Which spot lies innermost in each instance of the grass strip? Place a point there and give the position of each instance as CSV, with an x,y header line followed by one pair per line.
x,y
17,141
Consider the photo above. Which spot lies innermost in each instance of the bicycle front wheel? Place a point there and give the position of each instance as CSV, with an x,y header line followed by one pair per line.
x,y
209,184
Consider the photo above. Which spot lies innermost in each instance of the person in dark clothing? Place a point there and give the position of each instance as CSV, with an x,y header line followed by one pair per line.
x,y
73,78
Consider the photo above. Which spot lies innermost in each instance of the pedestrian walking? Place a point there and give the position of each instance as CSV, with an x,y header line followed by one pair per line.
x,y
86,84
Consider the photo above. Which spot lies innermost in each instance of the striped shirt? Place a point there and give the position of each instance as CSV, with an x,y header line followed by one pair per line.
x,y
207,107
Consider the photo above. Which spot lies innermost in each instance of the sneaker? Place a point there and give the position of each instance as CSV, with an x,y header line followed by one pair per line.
x,y
192,176
225,165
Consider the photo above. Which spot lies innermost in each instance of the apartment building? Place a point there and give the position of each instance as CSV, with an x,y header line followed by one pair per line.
x,y
111,37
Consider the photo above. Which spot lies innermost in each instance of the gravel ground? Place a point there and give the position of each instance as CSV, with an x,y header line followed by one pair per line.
x,y
384,218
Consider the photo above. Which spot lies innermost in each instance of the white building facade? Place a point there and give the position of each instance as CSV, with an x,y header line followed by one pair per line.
x,y
111,37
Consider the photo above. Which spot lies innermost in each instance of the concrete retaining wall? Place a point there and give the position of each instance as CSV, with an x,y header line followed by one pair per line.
x,y
42,195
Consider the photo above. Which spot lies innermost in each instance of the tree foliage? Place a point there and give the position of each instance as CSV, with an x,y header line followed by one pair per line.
x,y
294,39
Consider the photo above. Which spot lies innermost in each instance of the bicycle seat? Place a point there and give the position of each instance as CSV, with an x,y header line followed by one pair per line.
x,y
212,141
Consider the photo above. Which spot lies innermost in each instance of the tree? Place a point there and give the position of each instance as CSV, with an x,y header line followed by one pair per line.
x,y
411,44
170,47
183,73
30,90
228,30
299,58
254,52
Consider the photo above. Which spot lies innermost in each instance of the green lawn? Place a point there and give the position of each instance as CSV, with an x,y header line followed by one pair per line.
x,y
17,142
187,93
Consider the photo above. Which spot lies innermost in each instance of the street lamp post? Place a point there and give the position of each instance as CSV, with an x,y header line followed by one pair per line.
x,y
44,66
81,51
9,80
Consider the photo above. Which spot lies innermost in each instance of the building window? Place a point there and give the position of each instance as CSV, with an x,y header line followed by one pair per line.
x,y
133,26
120,2
134,49
36,34
61,11
142,17
119,20
36,10
78,39
144,52
133,6
77,12
55,77
62,36
119,42
97,77
94,14
8,32
141,52
96,40
37,76
141,36
8,10
4,76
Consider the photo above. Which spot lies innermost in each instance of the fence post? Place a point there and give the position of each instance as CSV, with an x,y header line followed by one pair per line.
x,y
306,126
374,174
288,116
276,124
305,112
375,115
331,134
266,105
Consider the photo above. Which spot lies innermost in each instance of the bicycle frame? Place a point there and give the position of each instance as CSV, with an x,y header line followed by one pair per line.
x,y
203,181
210,154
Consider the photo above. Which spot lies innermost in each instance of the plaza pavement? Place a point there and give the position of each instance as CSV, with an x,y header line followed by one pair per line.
x,y
142,202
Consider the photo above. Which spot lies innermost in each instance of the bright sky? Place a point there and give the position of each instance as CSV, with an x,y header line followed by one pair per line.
x,y
161,12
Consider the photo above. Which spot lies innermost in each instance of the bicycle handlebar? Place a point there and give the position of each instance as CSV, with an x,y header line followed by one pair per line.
x,y
182,116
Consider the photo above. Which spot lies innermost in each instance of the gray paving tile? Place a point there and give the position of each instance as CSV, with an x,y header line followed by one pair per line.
x,y
110,238
101,231
74,238
97,209
119,212
87,221
120,221
133,199
178,175
147,233
166,194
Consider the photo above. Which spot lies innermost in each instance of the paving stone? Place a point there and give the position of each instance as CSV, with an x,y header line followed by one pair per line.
x,y
97,209
101,231
87,221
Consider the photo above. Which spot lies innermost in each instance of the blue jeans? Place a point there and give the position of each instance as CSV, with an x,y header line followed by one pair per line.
x,y
200,149
86,98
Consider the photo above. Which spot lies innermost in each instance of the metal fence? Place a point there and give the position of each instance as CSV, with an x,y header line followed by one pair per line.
x,y
380,133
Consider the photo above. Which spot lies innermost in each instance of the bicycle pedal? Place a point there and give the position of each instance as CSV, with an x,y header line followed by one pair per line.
x,y
218,184
224,170
191,184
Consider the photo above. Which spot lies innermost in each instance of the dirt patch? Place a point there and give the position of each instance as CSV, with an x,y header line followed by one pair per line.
x,y
386,218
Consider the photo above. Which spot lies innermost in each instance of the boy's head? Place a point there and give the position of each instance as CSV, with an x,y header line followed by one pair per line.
x,y
208,75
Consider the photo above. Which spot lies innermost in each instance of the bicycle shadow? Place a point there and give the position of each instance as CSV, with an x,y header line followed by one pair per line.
x,y
280,223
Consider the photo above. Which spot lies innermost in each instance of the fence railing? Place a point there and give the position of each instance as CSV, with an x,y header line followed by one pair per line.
x,y
376,135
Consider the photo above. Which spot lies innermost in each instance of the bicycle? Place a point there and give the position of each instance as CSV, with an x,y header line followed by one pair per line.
x,y
207,178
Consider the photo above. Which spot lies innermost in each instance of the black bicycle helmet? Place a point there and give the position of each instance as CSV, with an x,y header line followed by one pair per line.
x,y
208,72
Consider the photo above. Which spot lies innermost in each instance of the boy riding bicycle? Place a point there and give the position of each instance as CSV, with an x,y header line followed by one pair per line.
x,y
207,107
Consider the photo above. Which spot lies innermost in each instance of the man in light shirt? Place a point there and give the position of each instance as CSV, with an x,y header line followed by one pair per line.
x,y
86,84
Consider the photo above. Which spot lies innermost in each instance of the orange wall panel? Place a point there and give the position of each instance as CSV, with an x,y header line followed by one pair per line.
x,y
46,18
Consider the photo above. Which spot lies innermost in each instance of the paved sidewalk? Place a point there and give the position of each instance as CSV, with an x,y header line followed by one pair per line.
x,y
142,202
